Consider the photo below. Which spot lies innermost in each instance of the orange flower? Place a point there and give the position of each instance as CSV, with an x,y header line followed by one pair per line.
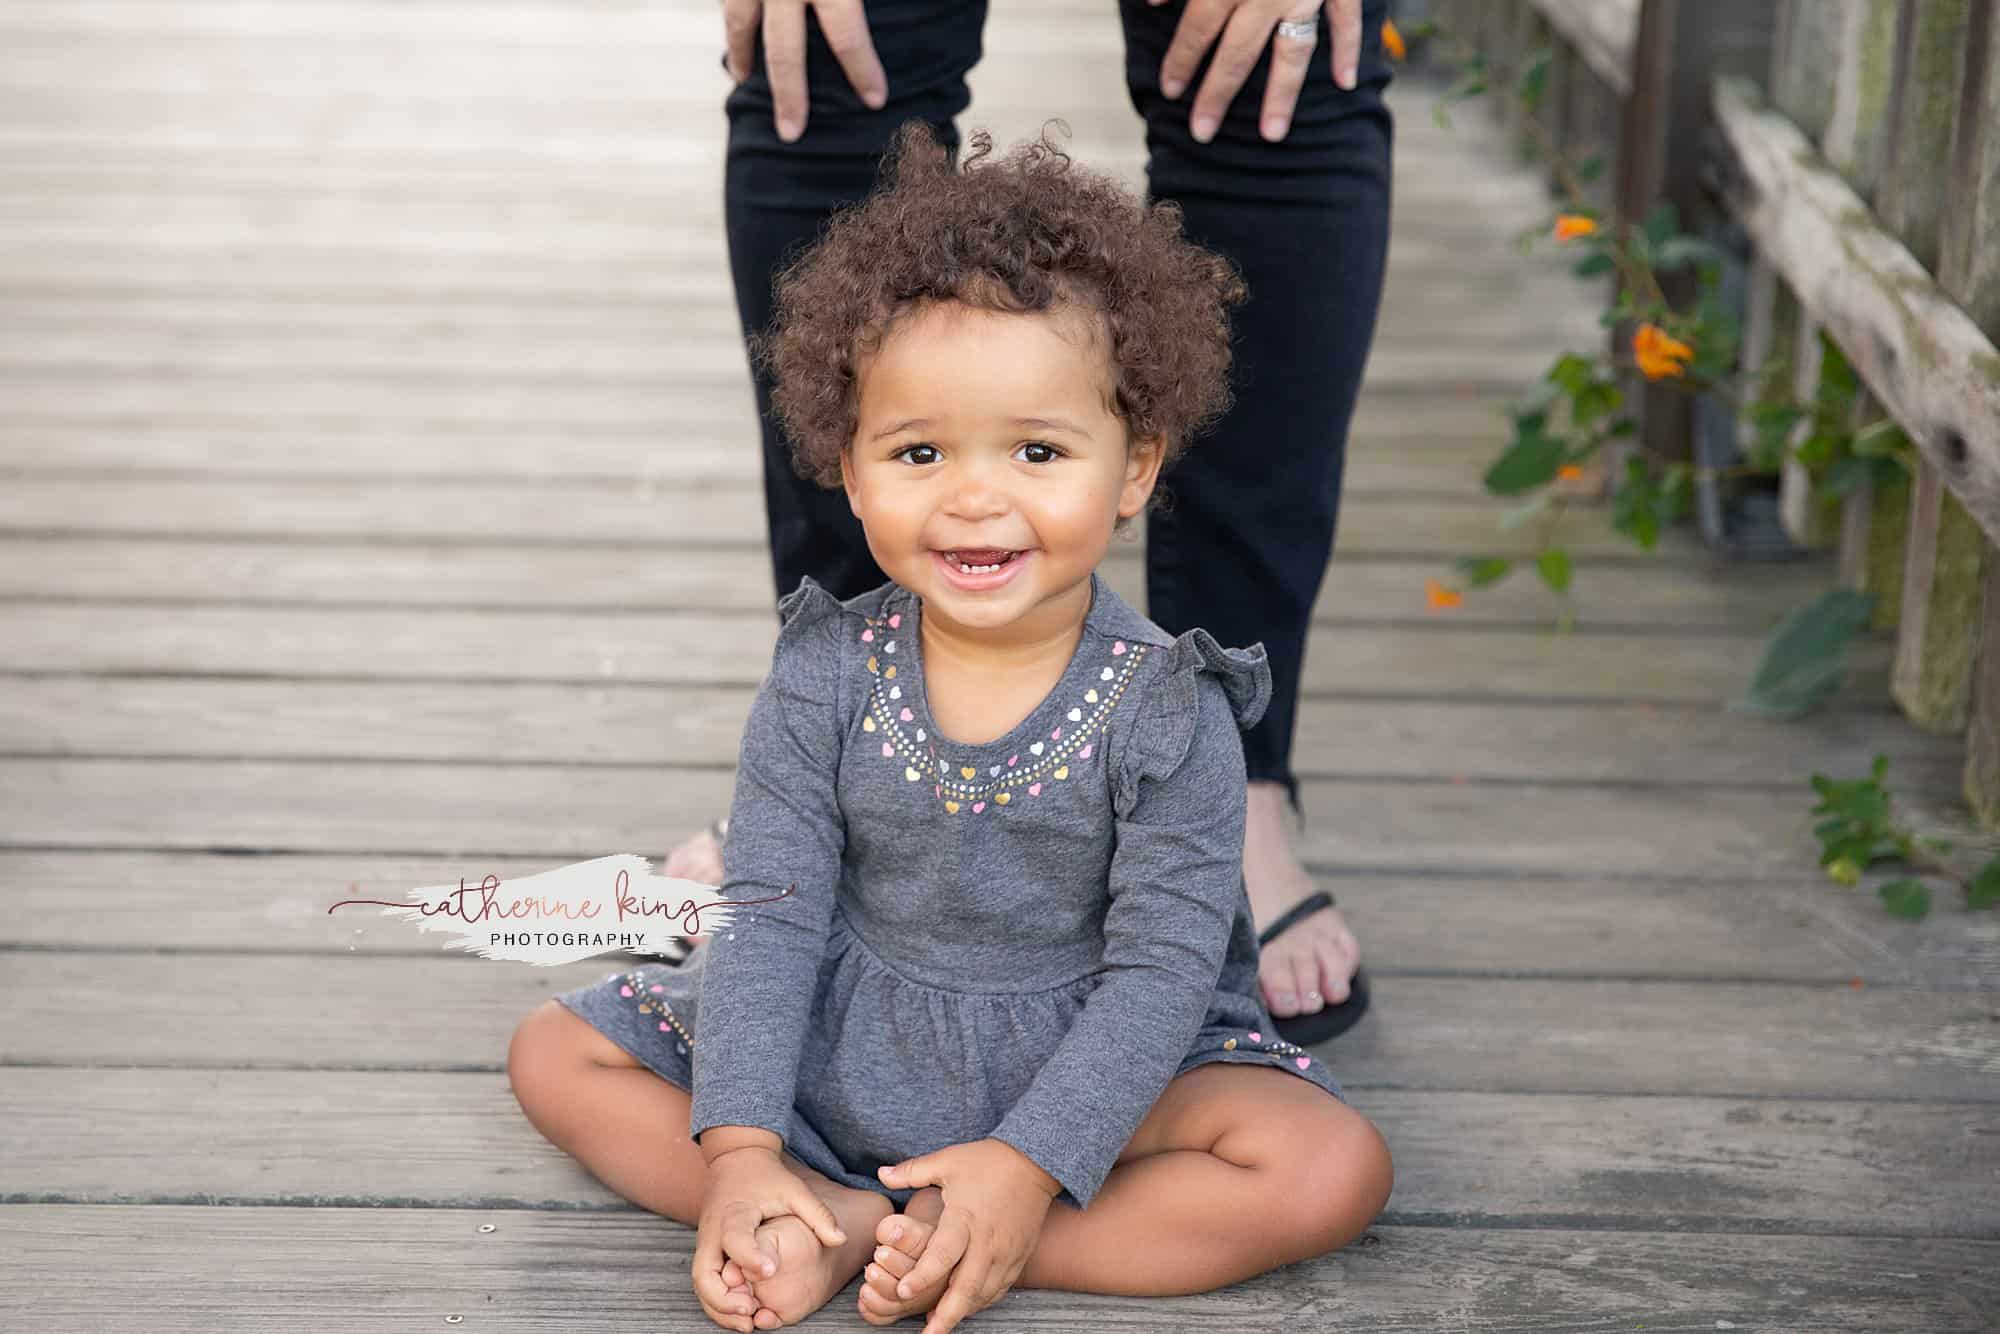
x,y
1659,356
1392,41
1440,597
1569,472
1569,226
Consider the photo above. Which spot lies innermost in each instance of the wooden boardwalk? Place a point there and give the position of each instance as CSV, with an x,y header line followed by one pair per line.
x,y
378,507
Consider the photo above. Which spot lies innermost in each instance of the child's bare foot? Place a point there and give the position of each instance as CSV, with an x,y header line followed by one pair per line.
x,y
904,1238
810,1273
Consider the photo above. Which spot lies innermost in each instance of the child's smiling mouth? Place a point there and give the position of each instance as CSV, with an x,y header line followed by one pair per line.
x,y
979,568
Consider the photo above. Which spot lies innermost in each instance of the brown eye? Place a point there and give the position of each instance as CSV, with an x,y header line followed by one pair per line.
x,y
1049,452
908,450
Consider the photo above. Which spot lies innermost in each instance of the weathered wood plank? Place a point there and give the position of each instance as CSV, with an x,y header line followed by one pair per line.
x,y
1701,597
674,648
642,513
1934,370
351,1269
575,812
1641,922
1465,1034
418,1138
482,723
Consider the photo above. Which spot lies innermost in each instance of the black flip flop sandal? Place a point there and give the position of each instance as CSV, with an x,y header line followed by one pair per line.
x,y
1333,1020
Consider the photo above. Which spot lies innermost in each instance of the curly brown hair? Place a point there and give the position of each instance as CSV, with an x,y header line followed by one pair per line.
x,y
1029,232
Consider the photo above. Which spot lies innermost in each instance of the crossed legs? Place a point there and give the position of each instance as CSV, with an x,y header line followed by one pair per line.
x,y
1212,1189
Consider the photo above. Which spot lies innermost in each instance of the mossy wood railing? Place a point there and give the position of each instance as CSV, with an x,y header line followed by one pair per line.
x,y
1857,142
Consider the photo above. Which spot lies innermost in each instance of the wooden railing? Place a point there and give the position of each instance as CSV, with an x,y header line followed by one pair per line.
x,y
1857,142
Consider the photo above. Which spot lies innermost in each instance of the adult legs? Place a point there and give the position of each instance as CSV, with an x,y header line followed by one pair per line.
x,y
777,196
1244,545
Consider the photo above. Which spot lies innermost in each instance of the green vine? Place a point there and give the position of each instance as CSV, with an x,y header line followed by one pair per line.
x,y
1579,407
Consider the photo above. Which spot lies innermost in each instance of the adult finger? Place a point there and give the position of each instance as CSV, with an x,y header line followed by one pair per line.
x,y
845,24
941,1253
739,30
1243,40
816,1214
1193,35
1290,59
785,64
1343,18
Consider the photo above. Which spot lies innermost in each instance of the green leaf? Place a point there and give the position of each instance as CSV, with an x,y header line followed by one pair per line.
x,y
1531,461
1572,372
1594,401
1661,225
1847,476
1480,571
1679,252
1534,78
1907,898
1555,568
1984,889
1591,266
1806,655
1590,168
1635,505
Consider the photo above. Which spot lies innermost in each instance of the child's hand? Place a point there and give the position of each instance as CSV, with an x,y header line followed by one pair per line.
x,y
747,1187
995,1202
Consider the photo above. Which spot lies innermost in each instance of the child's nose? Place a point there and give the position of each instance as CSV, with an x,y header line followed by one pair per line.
x,y
978,491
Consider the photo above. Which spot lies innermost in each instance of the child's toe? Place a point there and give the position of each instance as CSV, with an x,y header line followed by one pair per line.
x,y
894,1261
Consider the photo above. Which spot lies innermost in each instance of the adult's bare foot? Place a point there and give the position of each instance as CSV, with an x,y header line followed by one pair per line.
x,y
1308,967
698,858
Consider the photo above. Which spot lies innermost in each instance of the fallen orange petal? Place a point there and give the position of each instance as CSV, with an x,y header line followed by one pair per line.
x,y
1440,597
1569,226
1569,472
1392,41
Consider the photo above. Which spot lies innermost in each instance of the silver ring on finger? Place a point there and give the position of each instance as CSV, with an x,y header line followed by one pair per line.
x,y
1300,30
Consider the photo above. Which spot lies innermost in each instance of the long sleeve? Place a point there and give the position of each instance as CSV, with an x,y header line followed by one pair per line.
x,y
785,828
1176,882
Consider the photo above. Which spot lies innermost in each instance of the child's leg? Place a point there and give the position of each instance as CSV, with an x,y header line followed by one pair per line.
x,y
629,1127
1214,1188
1237,1170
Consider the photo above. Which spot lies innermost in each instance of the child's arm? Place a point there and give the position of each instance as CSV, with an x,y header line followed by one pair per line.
x,y
1176,883
784,829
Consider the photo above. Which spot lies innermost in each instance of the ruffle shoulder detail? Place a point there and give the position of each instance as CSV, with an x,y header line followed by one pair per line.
x,y
804,605
806,663
1164,730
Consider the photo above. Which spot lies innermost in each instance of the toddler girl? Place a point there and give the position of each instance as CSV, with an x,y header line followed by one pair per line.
x,y
989,1016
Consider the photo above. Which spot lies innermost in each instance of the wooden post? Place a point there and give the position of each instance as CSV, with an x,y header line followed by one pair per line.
x,y
1854,142
1681,46
1946,555
1805,45
1858,122
1982,733
1969,267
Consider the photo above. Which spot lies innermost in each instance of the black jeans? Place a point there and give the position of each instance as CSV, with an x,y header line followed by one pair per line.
x,y
1244,547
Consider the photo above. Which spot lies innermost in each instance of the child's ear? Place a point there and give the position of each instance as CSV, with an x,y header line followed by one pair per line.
x,y
1143,456
847,478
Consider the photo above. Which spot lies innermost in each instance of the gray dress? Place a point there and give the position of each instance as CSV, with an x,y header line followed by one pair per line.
x,y
1023,940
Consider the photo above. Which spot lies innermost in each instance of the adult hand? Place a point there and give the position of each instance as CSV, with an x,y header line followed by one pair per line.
x,y
784,27
995,1202
747,1187
1245,27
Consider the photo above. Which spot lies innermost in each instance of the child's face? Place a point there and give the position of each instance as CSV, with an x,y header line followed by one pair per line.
x,y
982,430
